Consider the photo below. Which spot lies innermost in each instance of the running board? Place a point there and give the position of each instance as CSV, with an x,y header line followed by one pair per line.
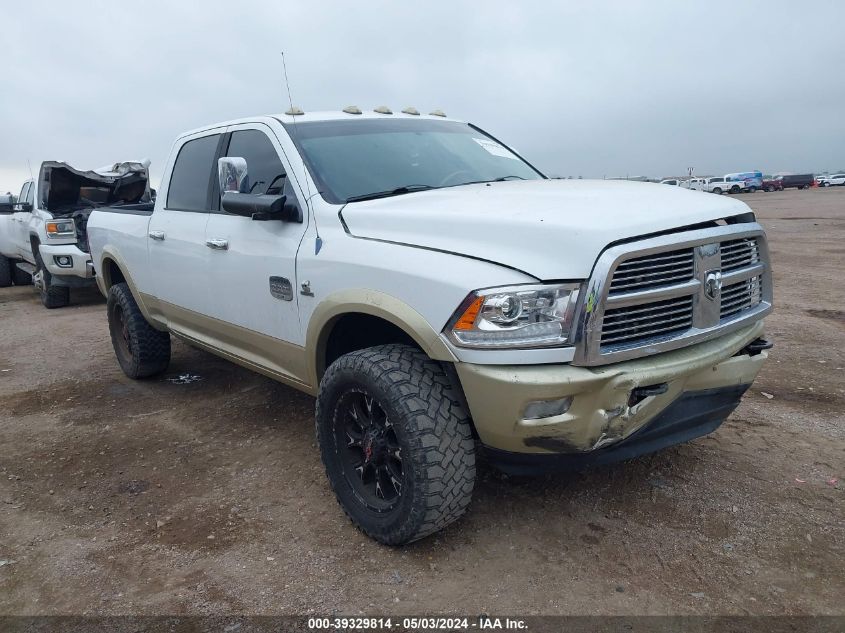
x,y
26,267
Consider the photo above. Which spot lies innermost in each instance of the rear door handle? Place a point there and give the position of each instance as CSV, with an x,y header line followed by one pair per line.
x,y
156,235
217,244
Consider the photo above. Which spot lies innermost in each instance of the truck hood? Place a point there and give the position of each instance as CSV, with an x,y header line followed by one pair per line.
x,y
550,229
64,190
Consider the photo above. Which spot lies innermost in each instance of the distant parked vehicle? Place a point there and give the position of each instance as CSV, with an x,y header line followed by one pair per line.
x,y
696,184
753,179
670,181
836,180
797,181
720,185
772,183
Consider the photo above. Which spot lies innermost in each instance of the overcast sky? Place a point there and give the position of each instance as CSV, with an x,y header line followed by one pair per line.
x,y
591,89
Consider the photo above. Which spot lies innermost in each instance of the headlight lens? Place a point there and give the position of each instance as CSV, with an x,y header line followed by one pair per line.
x,y
60,228
515,317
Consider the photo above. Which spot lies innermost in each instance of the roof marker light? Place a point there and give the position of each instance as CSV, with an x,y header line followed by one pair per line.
x,y
383,110
411,110
352,110
294,111
437,113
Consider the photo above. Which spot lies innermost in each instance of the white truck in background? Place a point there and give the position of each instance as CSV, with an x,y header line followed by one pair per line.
x,y
720,185
43,237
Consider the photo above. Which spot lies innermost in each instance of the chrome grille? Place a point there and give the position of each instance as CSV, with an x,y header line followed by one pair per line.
x,y
653,271
741,296
623,326
673,290
739,253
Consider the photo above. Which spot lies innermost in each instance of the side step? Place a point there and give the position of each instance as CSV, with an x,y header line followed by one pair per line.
x,y
26,267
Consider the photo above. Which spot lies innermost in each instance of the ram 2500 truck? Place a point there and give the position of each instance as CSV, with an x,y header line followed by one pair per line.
x,y
43,240
439,296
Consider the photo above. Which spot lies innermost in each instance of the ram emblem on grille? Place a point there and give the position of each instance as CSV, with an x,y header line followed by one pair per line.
x,y
713,284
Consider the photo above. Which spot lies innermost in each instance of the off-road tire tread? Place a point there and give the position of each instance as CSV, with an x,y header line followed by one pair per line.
x,y
437,425
51,296
5,271
150,347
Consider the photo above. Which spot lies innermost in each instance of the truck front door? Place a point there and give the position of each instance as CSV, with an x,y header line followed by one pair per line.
x,y
253,265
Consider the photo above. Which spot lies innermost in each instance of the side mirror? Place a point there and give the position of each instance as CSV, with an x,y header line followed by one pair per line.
x,y
261,206
233,174
22,207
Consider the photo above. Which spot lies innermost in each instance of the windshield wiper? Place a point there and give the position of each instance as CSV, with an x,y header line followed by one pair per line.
x,y
392,192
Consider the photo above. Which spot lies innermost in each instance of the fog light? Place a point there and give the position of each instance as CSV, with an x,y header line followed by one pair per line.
x,y
65,261
546,408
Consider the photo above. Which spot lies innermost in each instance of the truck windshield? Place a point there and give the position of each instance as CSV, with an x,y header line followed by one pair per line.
x,y
353,160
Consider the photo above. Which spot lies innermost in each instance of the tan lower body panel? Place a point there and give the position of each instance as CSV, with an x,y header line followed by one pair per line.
x,y
599,414
270,356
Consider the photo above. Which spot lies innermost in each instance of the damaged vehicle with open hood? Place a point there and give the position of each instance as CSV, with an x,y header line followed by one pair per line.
x,y
44,238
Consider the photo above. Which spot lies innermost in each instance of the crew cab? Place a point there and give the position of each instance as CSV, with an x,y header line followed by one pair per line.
x,y
720,185
44,239
439,296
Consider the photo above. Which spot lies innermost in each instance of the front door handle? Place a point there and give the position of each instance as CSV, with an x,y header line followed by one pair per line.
x,y
156,235
217,244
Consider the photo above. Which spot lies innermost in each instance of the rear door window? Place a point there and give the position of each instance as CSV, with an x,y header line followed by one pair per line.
x,y
190,184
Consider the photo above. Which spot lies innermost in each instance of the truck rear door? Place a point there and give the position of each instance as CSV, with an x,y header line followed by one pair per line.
x,y
178,255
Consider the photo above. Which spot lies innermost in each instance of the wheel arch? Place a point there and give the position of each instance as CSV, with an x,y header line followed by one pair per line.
x,y
113,270
386,318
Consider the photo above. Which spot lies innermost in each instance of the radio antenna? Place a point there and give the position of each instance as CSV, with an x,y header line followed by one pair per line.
x,y
293,115
29,166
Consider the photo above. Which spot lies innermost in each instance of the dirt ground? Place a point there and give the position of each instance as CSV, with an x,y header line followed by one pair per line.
x,y
202,492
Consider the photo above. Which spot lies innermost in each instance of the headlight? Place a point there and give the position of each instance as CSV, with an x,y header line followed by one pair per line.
x,y
60,228
514,317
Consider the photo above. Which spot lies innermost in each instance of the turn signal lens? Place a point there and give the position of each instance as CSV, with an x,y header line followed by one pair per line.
x,y
467,319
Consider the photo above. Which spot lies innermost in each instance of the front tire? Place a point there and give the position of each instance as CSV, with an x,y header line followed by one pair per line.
x,y
52,296
5,271
717,191
141,350
396,443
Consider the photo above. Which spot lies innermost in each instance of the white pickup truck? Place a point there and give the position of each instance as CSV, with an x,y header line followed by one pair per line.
x,y
43,238
438,294
720,185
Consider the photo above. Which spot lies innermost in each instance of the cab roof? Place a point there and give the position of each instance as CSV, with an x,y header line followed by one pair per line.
x,y
324,115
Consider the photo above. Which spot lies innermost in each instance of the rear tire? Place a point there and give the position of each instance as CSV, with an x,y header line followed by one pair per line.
x,y
734,189
396,443
21,277
52,296
141,350
5,271
752,189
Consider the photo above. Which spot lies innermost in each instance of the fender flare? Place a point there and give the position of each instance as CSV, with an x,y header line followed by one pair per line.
x,y
147,303
374,303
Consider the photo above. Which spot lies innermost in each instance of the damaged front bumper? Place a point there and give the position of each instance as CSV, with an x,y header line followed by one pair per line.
x,y
616,411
